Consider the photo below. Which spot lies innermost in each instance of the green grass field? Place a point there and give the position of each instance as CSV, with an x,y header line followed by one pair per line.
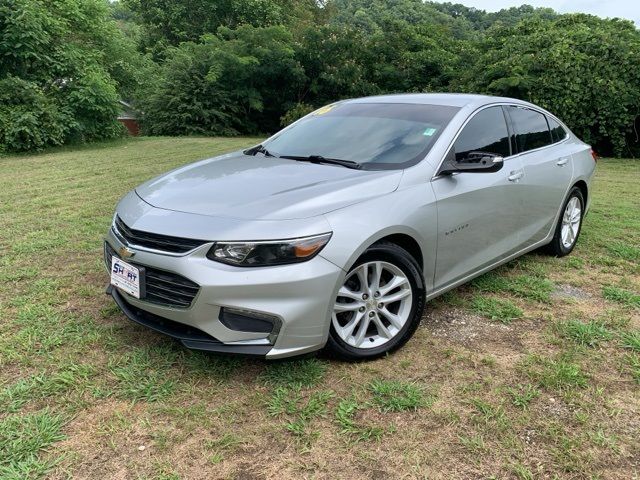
x,y
531,371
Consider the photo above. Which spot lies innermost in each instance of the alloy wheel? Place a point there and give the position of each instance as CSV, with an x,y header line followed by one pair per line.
x,y
571,222
373,304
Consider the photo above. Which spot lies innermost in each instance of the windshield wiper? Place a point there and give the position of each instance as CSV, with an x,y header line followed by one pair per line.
x,y
259,149
321,159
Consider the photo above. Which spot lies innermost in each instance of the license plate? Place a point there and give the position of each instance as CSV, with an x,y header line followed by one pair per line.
x,y
126,277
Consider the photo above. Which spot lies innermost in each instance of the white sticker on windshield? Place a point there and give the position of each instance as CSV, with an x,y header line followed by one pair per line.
x,y
429,131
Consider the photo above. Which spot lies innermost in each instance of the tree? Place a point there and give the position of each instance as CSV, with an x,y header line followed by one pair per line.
x,y
59,72
168,23
238,81
582,68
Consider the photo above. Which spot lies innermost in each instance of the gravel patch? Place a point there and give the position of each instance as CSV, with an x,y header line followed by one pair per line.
x,y
460,326
569,291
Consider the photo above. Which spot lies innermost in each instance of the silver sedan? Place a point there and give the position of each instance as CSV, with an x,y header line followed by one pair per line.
x,y
337,230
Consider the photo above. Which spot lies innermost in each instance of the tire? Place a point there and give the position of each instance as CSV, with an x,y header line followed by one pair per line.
x,y
562,245
387,326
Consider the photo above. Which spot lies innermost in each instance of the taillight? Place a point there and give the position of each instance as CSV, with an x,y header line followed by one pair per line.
x,y
594,155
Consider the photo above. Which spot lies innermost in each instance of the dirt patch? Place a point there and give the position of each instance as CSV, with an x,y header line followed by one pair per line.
x,y
462,327
569,291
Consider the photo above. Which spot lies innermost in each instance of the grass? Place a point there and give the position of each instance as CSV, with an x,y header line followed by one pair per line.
x,y
528,287
554,373
501,310
589,334
396,396
22,438
297,373
622,296
631,340
345,413
475,393
523,395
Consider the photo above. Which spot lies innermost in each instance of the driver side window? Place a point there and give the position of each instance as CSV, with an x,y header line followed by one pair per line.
x,y
486,132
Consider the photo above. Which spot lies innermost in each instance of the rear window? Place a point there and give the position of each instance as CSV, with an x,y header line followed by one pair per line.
x,y
557,131
531,129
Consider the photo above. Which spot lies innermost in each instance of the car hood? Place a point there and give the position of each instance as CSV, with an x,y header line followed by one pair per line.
x,y
259,187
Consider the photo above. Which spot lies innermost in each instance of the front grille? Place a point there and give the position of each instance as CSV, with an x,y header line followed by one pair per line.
x,y
162,287
155,241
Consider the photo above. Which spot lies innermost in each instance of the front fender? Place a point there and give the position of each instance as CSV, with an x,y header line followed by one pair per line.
x,y
411,211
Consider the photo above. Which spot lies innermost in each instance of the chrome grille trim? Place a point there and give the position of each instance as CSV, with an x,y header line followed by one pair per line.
x,y
162,287
154,241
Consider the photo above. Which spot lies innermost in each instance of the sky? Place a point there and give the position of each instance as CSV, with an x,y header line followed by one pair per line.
x,y
629,9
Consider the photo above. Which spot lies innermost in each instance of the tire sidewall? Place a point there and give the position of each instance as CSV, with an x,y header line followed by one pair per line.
x,y
397,256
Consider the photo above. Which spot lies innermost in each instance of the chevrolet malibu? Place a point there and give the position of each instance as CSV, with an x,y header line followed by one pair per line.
x,y
334,232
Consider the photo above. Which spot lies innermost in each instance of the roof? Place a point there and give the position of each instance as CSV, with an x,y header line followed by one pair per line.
x,y
449,99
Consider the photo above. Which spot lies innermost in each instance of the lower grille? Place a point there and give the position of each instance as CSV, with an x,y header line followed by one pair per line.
x,y
177,330
162,287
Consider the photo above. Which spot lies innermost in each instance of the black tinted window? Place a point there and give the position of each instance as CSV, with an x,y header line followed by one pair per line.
x,y
485,132
557,131
531,128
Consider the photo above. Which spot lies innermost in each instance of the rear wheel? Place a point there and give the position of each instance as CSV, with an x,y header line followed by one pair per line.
x,y
569,225
379,305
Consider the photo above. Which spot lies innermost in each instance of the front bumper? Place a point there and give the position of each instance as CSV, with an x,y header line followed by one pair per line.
x,y
298,295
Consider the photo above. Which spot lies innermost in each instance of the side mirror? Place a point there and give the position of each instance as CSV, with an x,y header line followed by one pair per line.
x,y
479,162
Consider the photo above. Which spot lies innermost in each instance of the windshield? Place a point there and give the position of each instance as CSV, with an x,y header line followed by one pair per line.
x,y
376,135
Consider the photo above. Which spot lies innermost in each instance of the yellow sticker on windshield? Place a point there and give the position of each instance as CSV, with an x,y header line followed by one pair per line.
x,y
323,110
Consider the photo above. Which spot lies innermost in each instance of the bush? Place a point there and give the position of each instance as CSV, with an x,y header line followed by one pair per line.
x,y
56,83
580,67
237,81
29,120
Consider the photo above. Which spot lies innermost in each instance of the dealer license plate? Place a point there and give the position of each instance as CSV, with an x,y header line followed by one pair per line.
x,y
125,276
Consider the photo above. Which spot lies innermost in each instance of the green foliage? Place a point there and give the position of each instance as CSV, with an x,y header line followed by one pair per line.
x,y
168,23
582,68
298,111
195,94
63,63
228,67
29,119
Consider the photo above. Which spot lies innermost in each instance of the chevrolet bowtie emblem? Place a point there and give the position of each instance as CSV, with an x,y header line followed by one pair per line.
x,y
126,252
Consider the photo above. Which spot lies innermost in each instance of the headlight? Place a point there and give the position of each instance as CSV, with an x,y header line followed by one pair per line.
x,y
260,254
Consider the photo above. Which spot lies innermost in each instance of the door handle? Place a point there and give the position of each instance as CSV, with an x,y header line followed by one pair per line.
x,y
515,176
562,162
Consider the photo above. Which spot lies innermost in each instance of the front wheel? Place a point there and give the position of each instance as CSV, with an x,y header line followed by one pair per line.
x,y
569,225
379,305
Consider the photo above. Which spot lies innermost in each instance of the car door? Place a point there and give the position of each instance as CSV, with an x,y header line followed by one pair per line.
x,y
547,165
479,213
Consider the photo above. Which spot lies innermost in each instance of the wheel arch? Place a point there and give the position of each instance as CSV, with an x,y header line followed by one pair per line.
x,y
584,189
408,243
